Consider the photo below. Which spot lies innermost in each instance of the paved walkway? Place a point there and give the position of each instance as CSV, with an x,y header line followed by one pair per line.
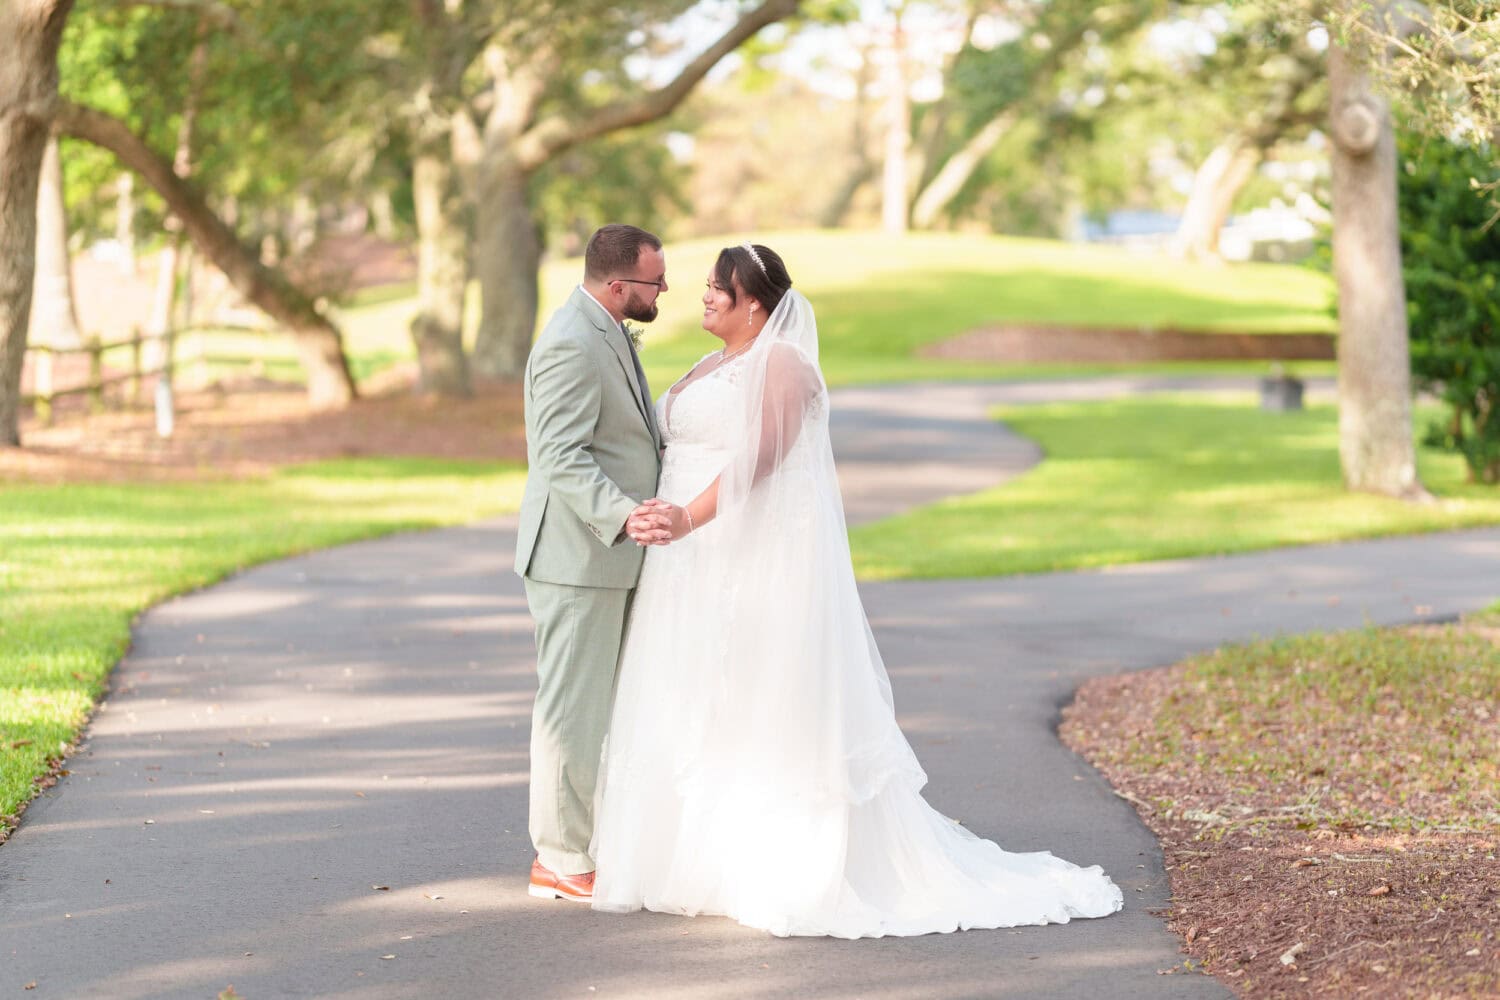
x,y
310,780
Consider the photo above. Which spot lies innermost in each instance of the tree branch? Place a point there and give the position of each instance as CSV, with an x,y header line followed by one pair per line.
x,y
553,134
266,288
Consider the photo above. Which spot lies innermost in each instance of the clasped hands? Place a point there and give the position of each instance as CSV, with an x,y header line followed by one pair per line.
x,y
657,522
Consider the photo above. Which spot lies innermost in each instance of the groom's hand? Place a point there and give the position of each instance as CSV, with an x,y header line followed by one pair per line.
x,y
658,522
649,525
672,518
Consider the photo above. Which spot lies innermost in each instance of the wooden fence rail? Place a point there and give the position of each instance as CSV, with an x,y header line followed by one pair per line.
x,y
46,394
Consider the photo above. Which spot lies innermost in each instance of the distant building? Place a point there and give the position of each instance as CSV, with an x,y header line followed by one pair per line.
x,y
1277,232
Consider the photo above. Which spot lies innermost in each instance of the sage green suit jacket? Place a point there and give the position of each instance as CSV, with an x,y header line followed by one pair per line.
x,y
593,448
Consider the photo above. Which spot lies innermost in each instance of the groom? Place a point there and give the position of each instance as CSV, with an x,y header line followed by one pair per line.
x,y
594,454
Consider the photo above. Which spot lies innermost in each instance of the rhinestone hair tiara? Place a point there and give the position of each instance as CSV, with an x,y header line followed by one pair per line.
x,y
754,256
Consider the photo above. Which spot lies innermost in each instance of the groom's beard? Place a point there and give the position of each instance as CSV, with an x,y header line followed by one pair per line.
x,y
640,311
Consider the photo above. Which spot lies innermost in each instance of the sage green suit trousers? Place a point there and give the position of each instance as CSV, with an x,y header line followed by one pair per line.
x,y
578,631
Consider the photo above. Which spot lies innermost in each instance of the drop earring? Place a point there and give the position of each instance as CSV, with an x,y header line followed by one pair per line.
x,y
750,317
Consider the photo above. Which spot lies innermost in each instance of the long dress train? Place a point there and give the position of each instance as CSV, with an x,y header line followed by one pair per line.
x,y
754,767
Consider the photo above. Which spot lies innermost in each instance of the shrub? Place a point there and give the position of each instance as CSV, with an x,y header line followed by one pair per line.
x,y
1451,260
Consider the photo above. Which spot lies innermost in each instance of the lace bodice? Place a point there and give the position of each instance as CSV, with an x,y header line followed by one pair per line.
x,y
701,424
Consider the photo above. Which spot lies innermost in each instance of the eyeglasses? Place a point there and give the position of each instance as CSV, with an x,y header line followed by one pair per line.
x,y
661,286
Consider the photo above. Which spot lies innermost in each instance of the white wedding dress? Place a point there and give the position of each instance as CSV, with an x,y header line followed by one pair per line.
x,y
754,767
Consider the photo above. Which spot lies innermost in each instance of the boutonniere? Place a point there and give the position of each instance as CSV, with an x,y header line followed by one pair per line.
x,y
635,333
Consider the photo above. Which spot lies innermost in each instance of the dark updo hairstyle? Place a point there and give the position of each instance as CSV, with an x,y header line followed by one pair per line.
x,y
766,287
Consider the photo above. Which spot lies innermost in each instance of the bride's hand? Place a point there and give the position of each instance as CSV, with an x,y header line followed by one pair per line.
x,y
674,519
648,525
659,522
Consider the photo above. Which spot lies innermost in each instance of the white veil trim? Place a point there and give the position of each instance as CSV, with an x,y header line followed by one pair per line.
x,y
806,672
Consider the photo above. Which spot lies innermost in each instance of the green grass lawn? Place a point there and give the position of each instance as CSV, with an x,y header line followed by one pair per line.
x,y
79,562
879,298
1124,481
1148,479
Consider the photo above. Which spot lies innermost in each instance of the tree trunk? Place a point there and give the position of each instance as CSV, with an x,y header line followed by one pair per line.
x,y
30,31
893,189
301,223
837,209
1215,186
125,221
442,274
383,215
54,318
187,303
931,137
507,258
516,142
950,180
1231,164
862,171
1375,430
161,325
1063,37
319,344
159,321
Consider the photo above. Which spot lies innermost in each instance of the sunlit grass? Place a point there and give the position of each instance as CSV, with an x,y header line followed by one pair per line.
x,y
1297,713
78,562
1145,479
879,299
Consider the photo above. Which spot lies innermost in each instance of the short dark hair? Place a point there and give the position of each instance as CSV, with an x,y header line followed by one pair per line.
x,y
765,285
615,248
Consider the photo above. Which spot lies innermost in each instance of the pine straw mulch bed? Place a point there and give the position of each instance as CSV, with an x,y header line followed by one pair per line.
x,y
1328,806
251,427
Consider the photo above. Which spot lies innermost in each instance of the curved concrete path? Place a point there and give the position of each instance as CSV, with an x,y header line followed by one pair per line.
x,y
309,781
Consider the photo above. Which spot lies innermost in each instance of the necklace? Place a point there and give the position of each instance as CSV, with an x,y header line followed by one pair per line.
x,y
737,352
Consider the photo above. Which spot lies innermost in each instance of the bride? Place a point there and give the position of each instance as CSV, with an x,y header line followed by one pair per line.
x,y
754,767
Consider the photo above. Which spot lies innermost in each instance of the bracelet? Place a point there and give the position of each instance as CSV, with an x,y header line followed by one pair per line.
x,y
689,515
